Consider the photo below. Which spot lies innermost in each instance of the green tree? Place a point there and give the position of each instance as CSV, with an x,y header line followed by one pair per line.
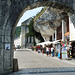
x,y
32,32
17,31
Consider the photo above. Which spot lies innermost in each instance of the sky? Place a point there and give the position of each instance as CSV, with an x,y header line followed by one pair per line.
x,y
28,14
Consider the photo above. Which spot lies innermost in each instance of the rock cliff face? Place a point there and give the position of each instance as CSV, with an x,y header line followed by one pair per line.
x,y
48,22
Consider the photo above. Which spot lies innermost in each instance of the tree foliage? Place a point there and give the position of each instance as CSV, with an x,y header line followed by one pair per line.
x,y
31,29
32,32
17,31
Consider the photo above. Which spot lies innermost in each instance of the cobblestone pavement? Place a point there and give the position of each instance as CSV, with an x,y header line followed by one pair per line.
x,y
32,62
31,59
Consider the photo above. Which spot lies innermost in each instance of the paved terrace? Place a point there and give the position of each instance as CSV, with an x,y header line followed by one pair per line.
x,y
31,62
32,59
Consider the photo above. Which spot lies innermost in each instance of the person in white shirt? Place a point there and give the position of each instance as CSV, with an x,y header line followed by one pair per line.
x,y
52,51
47,50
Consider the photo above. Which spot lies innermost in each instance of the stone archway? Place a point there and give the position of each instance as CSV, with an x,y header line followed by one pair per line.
x,y
10,13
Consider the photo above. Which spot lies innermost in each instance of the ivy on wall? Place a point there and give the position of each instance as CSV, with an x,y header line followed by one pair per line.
x,y
32,32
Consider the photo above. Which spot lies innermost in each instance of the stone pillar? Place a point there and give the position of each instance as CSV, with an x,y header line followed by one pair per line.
x,y
23,36
32,39
55,35
63,30
29,39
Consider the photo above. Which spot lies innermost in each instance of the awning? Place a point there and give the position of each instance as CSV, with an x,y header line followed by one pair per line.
x,y
46,42
55,42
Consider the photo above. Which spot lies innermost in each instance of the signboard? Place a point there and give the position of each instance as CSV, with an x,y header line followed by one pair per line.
x,y
58,47
7,46
64,53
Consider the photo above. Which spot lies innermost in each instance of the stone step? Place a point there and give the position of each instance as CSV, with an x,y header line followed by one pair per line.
x,y
44,70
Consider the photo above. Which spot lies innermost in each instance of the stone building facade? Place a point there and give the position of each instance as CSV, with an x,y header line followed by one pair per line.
x,y
26,41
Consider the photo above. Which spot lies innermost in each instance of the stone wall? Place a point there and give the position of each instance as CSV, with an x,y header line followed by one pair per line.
x,y
24,30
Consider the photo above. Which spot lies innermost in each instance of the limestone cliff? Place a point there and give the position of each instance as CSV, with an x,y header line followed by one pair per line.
x,y
48,22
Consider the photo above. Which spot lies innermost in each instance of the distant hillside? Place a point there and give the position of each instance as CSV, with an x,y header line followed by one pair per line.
x,y
17,31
